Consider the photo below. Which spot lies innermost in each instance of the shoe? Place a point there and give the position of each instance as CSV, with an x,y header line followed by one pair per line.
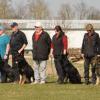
x,y
60,82
86,82
36,82
15,82
42,82
97,81
93,82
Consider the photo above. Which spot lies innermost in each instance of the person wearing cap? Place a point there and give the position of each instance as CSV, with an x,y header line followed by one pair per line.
x,y
41,49
89,52
4,49
18,42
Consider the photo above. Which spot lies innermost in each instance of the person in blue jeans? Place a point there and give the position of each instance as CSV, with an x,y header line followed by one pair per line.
x,y
4,49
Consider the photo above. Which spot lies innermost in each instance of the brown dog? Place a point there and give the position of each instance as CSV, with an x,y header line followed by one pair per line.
x,y
98,71
23,79
26,73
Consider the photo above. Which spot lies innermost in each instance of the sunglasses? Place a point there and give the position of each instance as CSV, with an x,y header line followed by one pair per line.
x,y
36,27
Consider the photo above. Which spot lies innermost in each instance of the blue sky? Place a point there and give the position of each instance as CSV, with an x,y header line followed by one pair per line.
x,y
54,5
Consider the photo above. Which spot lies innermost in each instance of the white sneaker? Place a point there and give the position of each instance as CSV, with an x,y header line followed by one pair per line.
x,y
36,82
42,82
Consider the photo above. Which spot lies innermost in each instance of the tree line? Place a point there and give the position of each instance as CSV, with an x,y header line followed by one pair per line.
x,y
39,9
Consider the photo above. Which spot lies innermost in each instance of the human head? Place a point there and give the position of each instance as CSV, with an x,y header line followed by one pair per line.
x,y
14,26
2,29
38,27
58,29
89,28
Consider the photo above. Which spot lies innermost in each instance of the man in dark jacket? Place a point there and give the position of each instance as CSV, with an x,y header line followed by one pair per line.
x,y
18,43
89,52
41,49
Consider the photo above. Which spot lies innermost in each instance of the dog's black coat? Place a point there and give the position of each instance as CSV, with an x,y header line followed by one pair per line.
x,y
6,71
24,67
71,72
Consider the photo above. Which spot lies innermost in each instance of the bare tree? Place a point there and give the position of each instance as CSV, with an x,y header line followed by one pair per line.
x,y
19,11
5,9
65,12
93,14
81,10
38,9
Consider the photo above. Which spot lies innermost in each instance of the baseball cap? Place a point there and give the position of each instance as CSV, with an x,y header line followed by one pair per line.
x,y
38,24
14,24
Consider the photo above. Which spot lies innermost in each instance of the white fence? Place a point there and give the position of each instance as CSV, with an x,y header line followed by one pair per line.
x,y
74,29
75,37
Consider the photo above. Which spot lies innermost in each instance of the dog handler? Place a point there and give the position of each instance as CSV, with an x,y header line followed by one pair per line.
x,y
4,48
41,49
59,50
18,43
89,52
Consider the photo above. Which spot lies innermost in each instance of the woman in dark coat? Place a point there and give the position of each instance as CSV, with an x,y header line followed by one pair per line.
x,y
59,48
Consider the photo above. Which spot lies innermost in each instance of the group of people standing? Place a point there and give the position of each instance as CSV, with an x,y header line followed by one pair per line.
x,y
43,46
13,45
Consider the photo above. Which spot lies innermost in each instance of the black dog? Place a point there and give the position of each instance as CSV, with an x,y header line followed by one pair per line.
x,y
71,72
25,70
7,73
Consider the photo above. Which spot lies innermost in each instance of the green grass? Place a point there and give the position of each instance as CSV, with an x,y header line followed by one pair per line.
x,y
49,91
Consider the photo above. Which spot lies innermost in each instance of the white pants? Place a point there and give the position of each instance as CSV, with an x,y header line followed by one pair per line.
x,y
40,70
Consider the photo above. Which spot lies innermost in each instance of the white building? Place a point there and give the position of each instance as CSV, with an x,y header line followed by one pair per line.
x,y
74,29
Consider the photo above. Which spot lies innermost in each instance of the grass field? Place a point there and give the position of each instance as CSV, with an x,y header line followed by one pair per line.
x,y
51,90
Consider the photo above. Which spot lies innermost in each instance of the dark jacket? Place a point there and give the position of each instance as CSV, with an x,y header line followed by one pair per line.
x,y
17,41
58,45
90,45
99,47
41,47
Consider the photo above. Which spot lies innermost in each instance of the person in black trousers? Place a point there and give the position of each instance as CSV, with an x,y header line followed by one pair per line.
x,y
18,42
89,52
4,50
59,50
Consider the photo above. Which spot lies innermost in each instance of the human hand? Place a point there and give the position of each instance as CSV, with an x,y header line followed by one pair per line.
x,y
82,56
51,55
5,56
19,51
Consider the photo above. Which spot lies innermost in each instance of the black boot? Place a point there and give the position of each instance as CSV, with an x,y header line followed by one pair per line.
x,y
86,81
59,81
